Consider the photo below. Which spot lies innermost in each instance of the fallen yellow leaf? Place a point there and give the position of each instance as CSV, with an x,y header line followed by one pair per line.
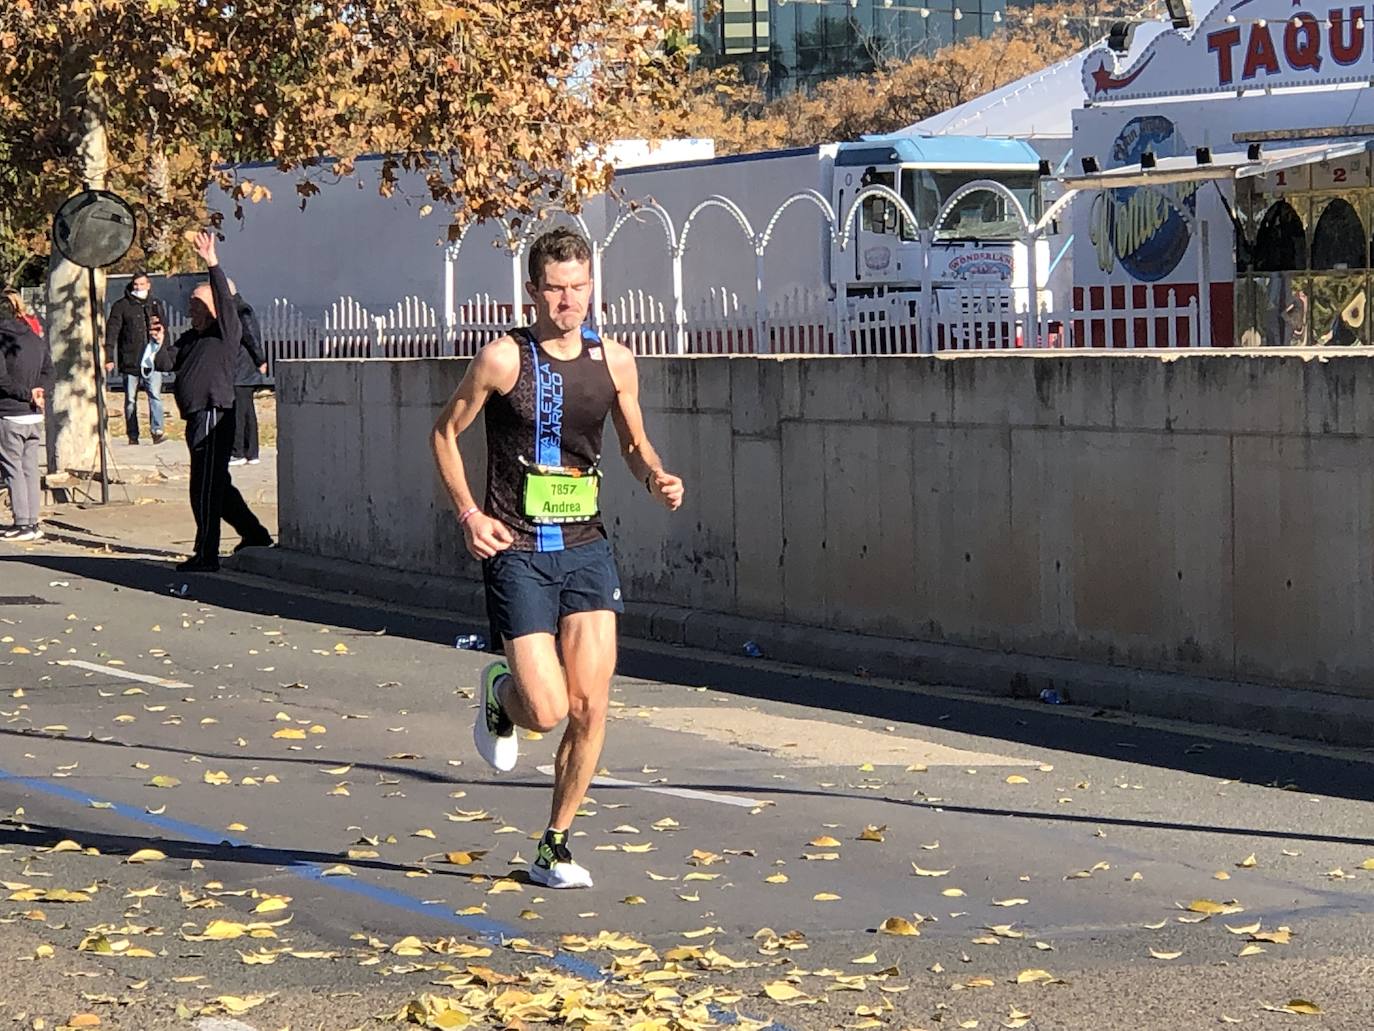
x,y
1165,955
824,841
1211,908
464,858
1016,778
146,855
899,925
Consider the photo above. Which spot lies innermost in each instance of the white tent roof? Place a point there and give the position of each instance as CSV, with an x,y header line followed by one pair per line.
x,y
1038,106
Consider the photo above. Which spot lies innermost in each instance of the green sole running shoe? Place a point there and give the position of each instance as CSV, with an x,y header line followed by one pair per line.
x,y
553,866
492,730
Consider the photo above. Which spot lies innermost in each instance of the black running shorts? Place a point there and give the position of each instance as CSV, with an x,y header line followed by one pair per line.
x,y
528,592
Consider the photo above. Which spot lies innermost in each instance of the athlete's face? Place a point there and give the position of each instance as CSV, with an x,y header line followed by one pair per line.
x,y
564,295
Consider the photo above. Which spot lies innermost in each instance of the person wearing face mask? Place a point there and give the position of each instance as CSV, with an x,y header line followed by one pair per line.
x,y
127,333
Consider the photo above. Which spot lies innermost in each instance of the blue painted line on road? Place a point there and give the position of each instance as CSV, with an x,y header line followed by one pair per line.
x,y
492,930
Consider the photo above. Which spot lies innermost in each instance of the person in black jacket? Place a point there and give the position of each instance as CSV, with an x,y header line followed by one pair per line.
x,y
249,373
204,359
126,336
26,377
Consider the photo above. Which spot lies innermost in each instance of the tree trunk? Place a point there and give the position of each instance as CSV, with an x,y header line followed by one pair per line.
x,y
74,423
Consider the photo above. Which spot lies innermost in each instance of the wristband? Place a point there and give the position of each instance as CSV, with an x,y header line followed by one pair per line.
x,y
467,514
647,485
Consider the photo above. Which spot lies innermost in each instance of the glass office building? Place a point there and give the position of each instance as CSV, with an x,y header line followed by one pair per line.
x,y
793,44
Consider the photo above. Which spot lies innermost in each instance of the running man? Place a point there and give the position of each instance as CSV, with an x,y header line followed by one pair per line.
x,y
551,581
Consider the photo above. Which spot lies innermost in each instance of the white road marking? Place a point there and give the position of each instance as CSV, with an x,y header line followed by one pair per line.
x,y
115,671
700,796
222,1024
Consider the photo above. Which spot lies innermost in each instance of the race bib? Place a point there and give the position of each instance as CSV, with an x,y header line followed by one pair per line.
x,y
555,494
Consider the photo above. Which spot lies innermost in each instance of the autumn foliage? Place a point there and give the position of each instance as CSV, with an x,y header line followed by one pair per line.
x,y
721,103
497,104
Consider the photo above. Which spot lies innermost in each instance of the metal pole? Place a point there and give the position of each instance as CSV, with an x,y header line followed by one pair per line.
x,y
596,286
760,316
104,430
1204,294
1032,291
679,310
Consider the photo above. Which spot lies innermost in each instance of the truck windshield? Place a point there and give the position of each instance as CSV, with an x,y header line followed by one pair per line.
x,y
980,215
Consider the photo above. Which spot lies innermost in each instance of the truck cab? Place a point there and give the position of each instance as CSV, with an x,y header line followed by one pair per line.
x,y
980,242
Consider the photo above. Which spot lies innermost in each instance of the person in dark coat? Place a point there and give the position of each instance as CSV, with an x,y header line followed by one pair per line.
x,y
204,359
249,374
127,333
26,379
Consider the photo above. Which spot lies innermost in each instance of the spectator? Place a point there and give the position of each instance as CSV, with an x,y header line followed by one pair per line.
x,y
16,300
204,359
127,334
26,377
249,373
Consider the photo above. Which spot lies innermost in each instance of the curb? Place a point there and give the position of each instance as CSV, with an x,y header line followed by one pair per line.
x,y
1264,708
71,535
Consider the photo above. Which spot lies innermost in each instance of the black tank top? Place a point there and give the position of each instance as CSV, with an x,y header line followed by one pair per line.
x,y
554,415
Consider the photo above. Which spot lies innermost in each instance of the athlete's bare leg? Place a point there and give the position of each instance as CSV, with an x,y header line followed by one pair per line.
x,y
536,695
588,642
542,691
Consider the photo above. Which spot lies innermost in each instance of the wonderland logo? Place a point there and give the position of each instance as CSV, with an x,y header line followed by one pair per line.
x,y
1143,227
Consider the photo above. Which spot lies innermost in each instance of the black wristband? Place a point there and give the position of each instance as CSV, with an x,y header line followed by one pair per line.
x,y
647,477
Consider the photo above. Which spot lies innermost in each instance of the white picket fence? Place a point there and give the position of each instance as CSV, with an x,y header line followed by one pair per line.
x,y
796,322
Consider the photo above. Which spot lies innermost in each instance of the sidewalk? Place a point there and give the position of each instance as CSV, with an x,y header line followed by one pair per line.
x,y
149,511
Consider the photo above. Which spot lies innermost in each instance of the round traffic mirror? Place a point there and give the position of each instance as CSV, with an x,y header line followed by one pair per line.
x,y
94,228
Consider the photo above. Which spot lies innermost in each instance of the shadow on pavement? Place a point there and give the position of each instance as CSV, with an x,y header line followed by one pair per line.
x,y
42,836
1106,734
602,790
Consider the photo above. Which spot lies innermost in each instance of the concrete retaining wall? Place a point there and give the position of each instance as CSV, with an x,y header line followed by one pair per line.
x,y
1212,515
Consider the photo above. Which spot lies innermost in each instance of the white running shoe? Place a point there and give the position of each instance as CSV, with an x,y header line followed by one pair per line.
x,y
492,730
553,866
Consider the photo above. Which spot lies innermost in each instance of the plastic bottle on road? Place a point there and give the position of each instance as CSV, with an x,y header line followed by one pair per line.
x,y
471,643
1051,697
752,650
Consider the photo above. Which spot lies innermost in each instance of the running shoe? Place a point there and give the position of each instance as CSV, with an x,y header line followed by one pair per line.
x,y
553,867
27,533
492,730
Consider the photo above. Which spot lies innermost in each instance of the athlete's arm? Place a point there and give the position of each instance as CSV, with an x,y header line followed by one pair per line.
x,y
497,365
639,454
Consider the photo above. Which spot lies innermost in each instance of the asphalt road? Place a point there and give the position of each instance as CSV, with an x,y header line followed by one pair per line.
x,y
330,853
